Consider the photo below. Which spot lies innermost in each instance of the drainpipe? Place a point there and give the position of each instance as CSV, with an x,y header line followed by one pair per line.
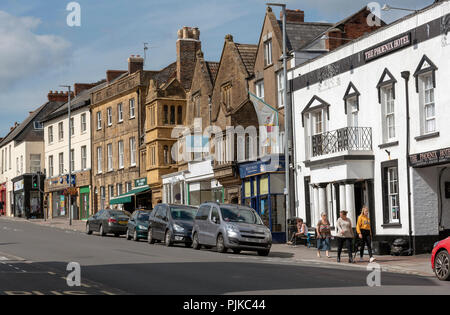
x,y
412,247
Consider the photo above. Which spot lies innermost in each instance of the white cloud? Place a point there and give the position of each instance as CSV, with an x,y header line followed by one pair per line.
x,y
24,53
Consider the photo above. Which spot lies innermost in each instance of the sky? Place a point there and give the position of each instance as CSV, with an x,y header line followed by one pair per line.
x,y
39,51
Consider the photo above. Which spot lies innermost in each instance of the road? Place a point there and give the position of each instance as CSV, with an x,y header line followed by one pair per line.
x,y
34,259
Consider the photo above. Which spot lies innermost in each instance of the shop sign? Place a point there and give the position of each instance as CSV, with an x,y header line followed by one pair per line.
x,y
18,185
430,158
140,182
259,167
387,47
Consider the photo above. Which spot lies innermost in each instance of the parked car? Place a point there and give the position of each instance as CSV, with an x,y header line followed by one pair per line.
x,y
232,227
138,225
108,222
171,224
440,259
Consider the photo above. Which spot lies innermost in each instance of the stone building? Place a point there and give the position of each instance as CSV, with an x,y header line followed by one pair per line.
x,y
166,109
118,117
231,107
195,177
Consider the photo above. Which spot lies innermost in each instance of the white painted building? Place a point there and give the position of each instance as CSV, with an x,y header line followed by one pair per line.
x,y
21,158
58,160
353,146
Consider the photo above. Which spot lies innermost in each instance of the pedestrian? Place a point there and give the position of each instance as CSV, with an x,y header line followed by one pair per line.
x,y
344,235
323,233
302,231
365,233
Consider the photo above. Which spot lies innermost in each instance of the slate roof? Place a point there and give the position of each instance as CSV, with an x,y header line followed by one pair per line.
x,y
166,74
12,135
247,53
300,34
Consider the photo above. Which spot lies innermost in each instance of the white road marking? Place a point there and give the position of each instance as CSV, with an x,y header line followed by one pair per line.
x,y
3,258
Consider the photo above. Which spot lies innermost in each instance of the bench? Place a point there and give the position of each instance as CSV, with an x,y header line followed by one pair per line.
x,y
310,238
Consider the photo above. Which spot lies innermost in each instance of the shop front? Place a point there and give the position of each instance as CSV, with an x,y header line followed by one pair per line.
x,y
28,200
84,202
138,198
431,195
263,190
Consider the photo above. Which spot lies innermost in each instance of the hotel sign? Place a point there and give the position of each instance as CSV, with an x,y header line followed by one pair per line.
x,y
430,158
387,47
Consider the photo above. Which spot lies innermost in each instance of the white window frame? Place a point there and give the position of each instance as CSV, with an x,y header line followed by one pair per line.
x,y
132,108
72,126
120,112
72,160
110,157
259,87
121,154
34,158
387,93
99,120
84,157
61,131
109,116
393,195
268,52
83,120
280,89
50,134
428,102
51,169
132,151
61,163
99,160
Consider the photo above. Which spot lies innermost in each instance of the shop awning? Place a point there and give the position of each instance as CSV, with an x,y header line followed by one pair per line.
x,y
126,198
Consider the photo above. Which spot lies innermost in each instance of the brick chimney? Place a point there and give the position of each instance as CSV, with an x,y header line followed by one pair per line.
x,y
188,44
112,74
80,87
135,63
294,16
55,96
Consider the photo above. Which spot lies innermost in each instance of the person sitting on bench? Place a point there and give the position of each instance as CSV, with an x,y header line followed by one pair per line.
x,y
302,232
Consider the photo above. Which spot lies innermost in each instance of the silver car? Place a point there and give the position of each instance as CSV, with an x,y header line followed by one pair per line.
x,y
232,227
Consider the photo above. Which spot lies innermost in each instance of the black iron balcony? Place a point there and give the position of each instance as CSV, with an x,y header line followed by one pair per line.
x,y
345,139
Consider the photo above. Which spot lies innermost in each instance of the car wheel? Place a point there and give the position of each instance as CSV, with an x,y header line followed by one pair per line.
x,y
135,236
101,231
195,244
168,239
264,252
236,251
150,238
188,245
128,237
88,229
442,265
221,244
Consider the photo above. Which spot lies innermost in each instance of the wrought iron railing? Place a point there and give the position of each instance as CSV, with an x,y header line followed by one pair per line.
x,y
350,138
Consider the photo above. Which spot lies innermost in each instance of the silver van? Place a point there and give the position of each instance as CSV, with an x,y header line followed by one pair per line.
x,y
232,227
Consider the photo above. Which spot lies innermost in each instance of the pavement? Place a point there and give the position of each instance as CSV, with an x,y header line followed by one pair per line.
x,y
34,256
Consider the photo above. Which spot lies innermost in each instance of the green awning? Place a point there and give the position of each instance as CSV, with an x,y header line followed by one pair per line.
x,y
126,198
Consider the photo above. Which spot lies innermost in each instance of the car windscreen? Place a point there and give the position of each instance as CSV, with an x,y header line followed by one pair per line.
x,y
143,216
186,214
240,215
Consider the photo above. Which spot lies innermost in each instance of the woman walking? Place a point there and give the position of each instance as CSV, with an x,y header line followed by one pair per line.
x,y
323,231
344,235
365,233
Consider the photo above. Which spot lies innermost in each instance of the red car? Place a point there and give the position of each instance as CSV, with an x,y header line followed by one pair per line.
x,y
440,259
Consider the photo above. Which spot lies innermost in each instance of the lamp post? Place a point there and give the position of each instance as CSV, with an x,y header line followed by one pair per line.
x,y
70,153
287,117
387,7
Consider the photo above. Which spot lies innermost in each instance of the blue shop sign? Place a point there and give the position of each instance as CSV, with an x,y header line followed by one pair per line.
x,y
275,164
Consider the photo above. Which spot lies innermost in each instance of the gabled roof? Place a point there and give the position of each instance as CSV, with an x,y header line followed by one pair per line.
x,y
22,126
247,52
166,74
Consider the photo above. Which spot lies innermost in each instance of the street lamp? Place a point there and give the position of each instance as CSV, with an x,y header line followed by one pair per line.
x,y
287,115
387,7
70,152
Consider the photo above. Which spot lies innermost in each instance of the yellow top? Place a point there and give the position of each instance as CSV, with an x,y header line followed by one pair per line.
x,y
363,223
